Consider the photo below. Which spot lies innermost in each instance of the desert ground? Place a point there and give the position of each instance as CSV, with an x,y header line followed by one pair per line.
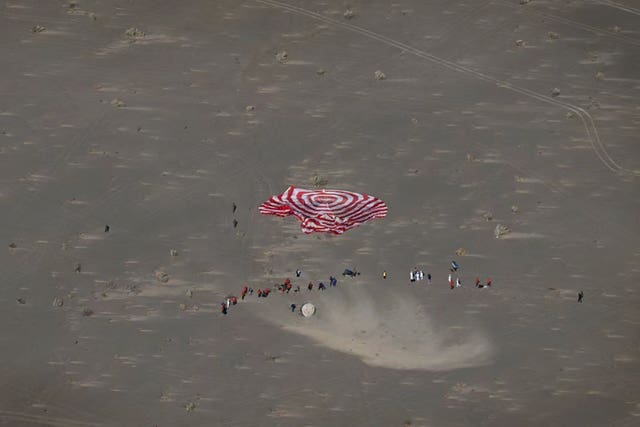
x,y
170,122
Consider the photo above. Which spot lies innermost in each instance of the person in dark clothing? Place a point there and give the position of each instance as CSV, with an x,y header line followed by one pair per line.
x,y
580,296
310,286
298,273
224,308
321,286
259,293
293,308
429,277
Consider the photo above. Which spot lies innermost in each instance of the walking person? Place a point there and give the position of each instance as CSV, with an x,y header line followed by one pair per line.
x,y
488,282
384,274
454,266
580,296
321,286
458,282
310,286
298,272
429,278
293,308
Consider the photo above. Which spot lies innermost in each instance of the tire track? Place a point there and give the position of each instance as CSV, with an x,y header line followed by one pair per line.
x,y
585,27
586,119
619,6
43,420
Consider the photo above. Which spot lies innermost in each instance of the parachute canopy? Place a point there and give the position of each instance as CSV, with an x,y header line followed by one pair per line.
x,y
330,211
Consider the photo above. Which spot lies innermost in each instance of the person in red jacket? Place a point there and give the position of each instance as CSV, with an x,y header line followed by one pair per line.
x,y
259,293
489,281
244,291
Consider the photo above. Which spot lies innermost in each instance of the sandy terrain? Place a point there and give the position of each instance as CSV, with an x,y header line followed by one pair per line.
x,y
157,118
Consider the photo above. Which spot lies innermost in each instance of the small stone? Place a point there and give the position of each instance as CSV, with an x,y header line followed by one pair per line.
x,y
471,157
162,276
321,71
118,103
21,300
282,56
87,312
379,75
319,182
520,43
190,406
501,230
616,29
461,251
249,108
488,216
12,245
182,307
515,209
134,33
58,302
173,252
78,268
524,1
569,115
348,14
553,35
414,121
599,75
38,29
555,92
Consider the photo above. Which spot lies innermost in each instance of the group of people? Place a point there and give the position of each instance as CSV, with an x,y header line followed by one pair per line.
x,y
284,287
287,286
417,275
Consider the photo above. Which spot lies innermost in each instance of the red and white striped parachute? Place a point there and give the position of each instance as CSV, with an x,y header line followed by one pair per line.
x,y
330,211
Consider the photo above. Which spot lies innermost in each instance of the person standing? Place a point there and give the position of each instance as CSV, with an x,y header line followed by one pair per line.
x,y
384,274
429,278
310,286
293,308
488,282
298,272
580,296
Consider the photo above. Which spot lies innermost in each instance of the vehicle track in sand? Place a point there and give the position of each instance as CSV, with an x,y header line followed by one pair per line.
x,y
586,118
